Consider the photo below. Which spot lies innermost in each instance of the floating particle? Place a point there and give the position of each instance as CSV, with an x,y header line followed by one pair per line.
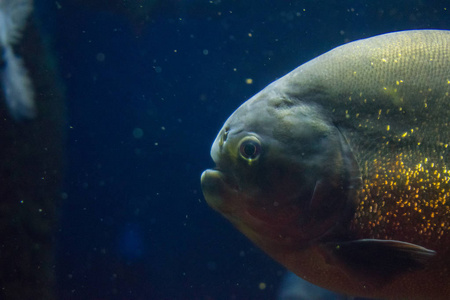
x,y
138,133
100,57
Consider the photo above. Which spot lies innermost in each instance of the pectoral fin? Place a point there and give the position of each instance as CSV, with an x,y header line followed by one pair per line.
x,y
378,261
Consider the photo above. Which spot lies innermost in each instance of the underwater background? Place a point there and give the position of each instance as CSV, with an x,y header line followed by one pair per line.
x,y
148,84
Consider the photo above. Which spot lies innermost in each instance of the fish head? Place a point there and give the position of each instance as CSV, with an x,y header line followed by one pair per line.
x,y
281,171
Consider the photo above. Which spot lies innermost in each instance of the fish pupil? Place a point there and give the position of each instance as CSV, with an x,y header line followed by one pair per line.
x,y
250,150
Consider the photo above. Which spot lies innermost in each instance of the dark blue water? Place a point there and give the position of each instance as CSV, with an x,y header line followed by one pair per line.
x,y
145,99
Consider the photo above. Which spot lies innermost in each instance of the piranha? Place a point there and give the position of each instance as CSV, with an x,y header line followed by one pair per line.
x,y
340,170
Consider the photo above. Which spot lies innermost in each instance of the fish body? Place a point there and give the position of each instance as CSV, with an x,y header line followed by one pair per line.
x,y
339,170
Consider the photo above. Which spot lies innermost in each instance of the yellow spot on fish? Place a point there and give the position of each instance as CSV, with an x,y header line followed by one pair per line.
x,y
404,134
262,285
383,60
388,127
248,81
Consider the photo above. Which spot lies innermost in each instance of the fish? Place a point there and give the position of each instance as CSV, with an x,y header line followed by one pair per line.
x,y
16,83
340,169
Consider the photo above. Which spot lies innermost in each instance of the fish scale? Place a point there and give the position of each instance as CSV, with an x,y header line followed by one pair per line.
x,y
402,189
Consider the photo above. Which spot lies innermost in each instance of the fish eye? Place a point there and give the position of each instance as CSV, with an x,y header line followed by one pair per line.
x,y
250,148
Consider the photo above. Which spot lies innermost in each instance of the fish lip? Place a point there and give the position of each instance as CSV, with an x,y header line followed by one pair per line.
x,y
222,176
213,188
219,191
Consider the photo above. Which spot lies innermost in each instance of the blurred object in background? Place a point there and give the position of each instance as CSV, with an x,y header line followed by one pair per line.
x,y
31,139
294,288
16,85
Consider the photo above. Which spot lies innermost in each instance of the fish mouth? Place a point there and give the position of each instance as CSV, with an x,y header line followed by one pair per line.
x,y
217,187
